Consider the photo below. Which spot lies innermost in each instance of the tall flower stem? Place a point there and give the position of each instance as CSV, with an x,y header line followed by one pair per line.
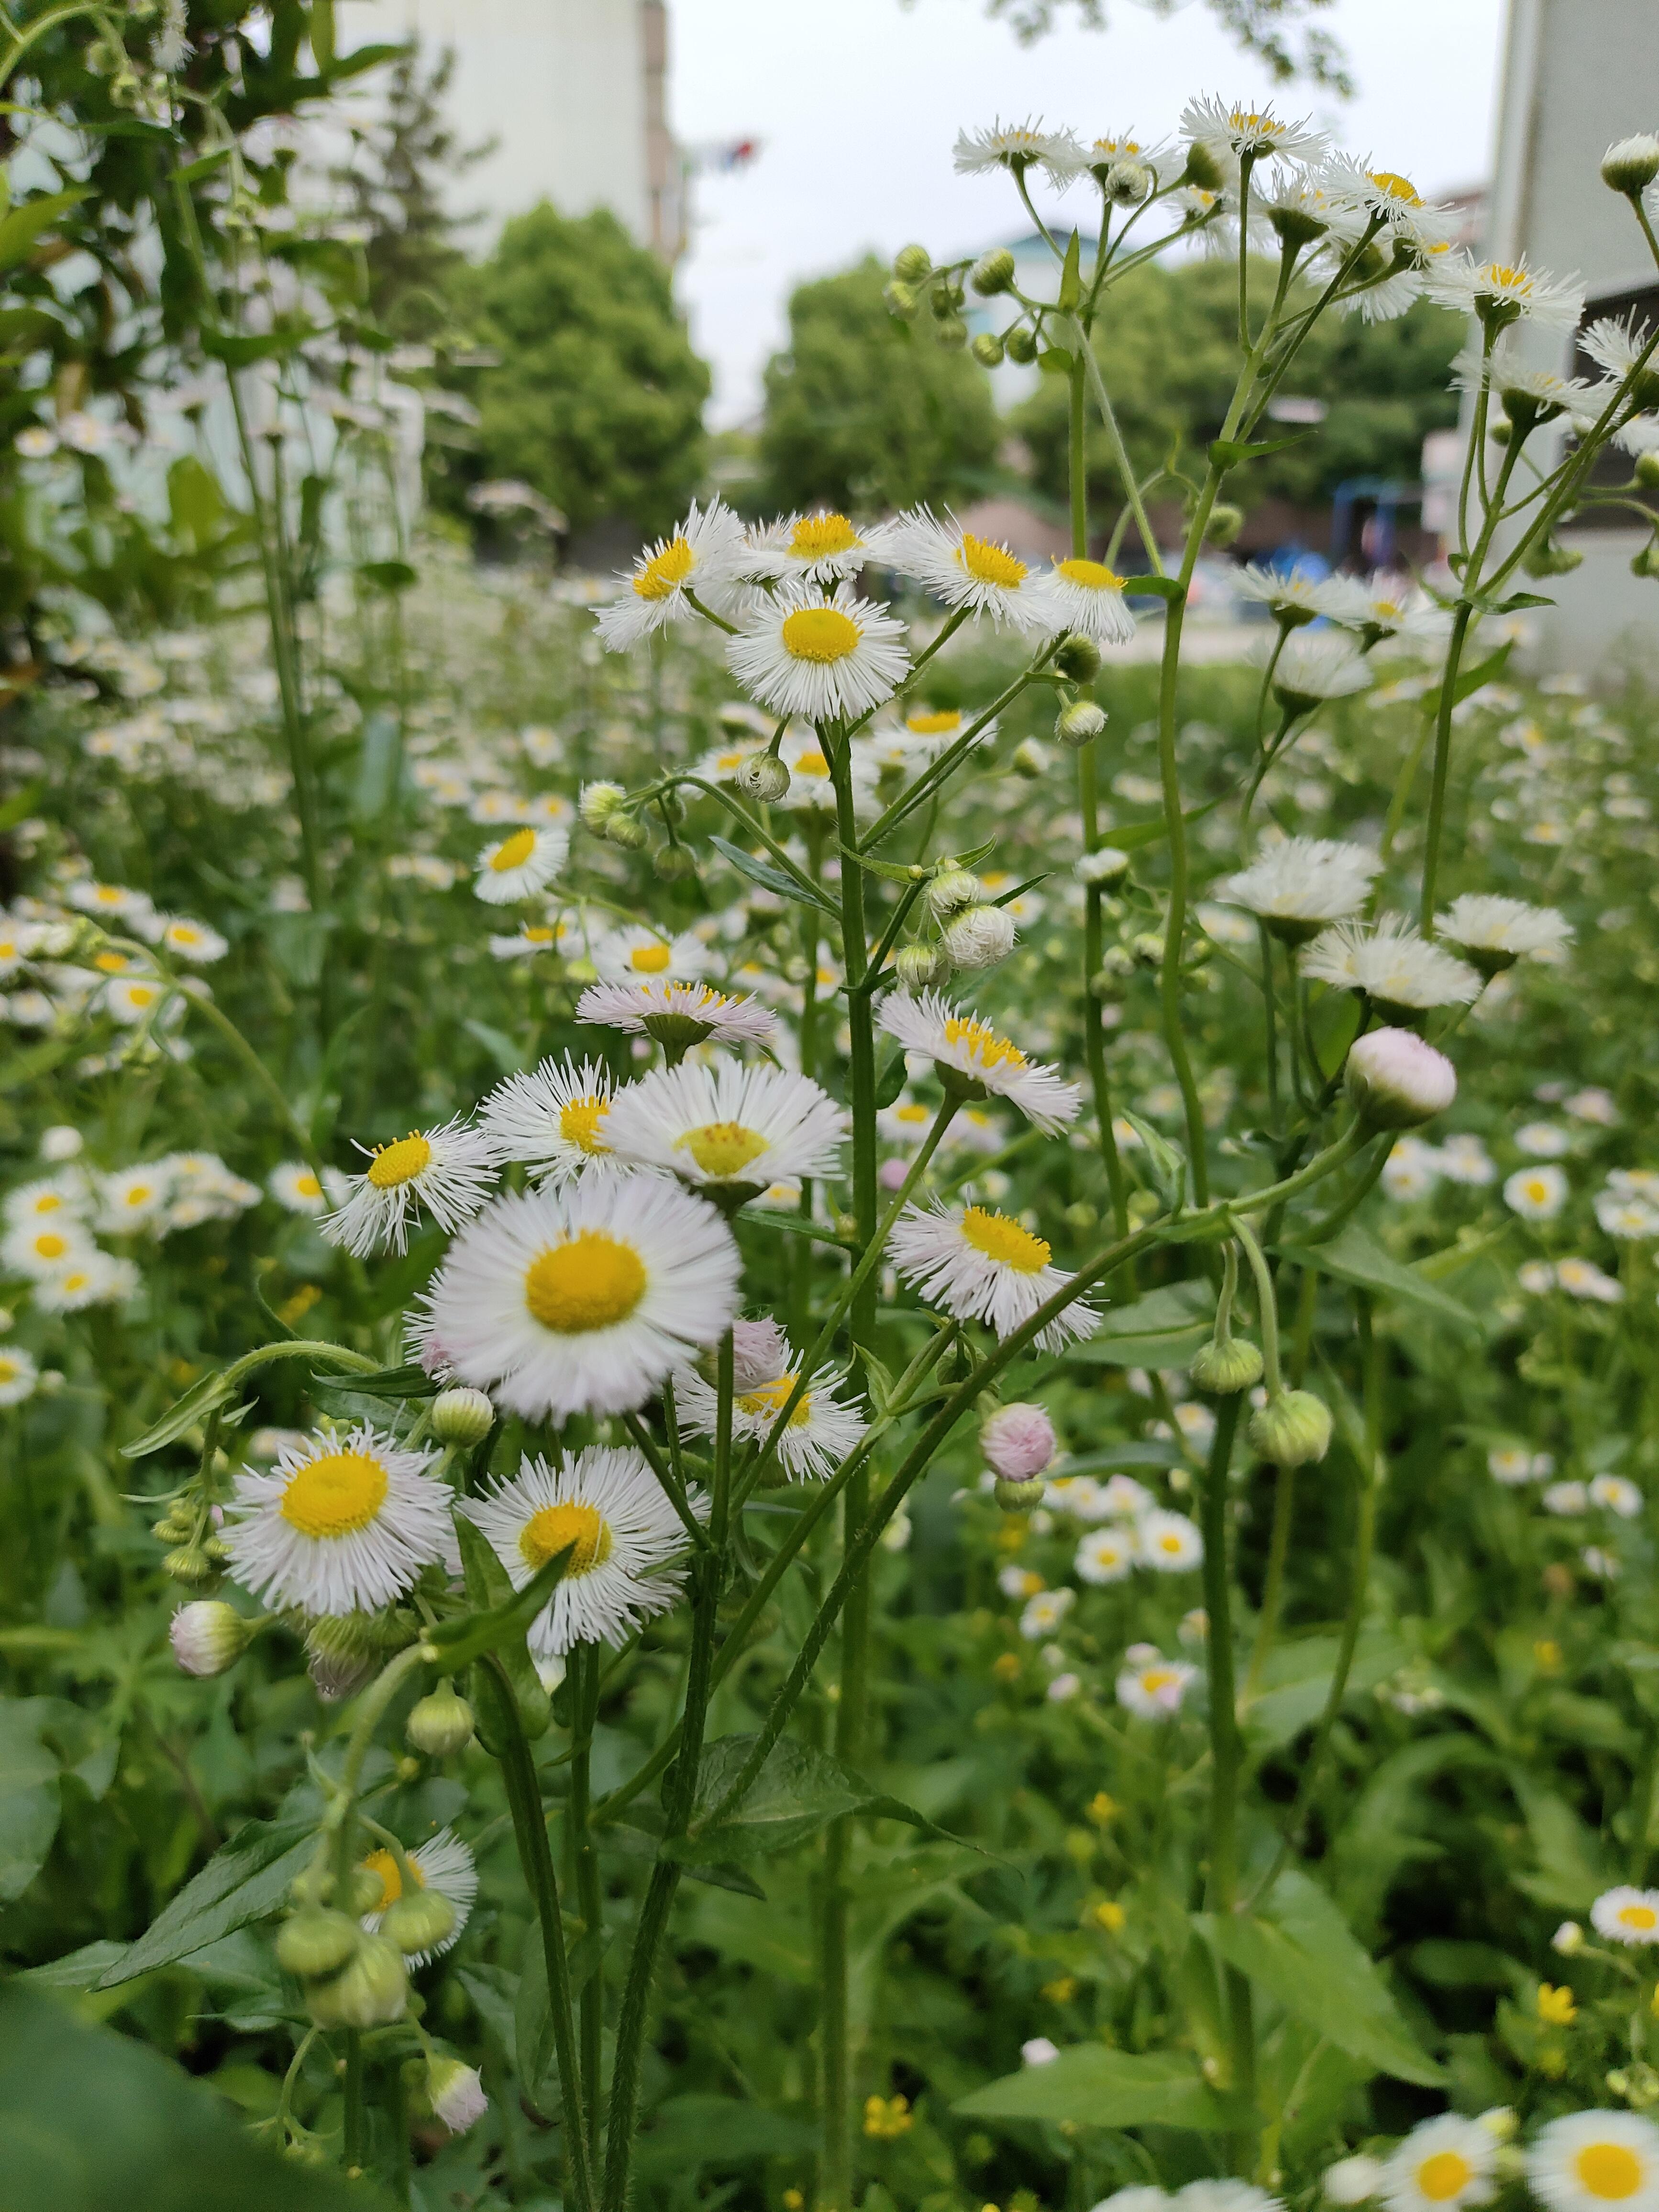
x,y
1226,1747
585,1667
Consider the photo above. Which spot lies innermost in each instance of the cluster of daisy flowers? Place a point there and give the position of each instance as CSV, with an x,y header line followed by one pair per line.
x,y
1130,1530
59,967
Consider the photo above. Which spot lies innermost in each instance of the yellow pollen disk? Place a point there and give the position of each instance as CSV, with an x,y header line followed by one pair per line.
x,y
9,1370
1117,146
935,726
1638,1916
911,1113
381,1864
111,963
183,933
812,763
722,1149
394,1164
1608,2170
306,1186
1004,1240
661,576
536,936
1442,2174
773,1397
591,1282
991,564
334,1496
512,852
49,1245
815,536
141,994
1395,186
555,1527
820,635
1156,1678
1262,127
1170,1544
1093,575
649,959
1503,278
48,1202
108,895
982,1043
138,1194
579,1124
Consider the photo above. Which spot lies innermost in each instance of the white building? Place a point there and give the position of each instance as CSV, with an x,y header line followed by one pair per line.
x,y
571,91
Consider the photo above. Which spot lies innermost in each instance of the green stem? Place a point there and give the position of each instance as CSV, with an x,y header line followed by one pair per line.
x,y
585,1701
1442,728
353,2147
1226,1746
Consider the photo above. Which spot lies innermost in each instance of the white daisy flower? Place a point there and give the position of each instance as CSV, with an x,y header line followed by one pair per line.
x,y
906,1122
626,1567
811,784
981,1266
820,1432
1632,1220
1123,1498
447,1171
297,1188
1495,933
1618,347
701,558
1542,1140
1291,596
1169,1542
132,999
1626,1183
522,864
109,901
722,765
1627,1916
1301,882
823,659
1513,1465
727,1130
1593,1104
341,1524
1504,293
1044,1612
1088,597
1411,1171
1465,1160
97,1279
1316,665
51,1201
1383,300
1384,195
636,954
1536,1278
1352,2181
968,1055
559,1301
552,1118
1528,393
1586,2161
442,1863
1019,147
1105,1555
963,570
533,936
1377,612
1536,1194
822,548
188,941
132,1199
1583,1278
1151,1686
1233,131
38,1247
677,1015
18,1374
1391,963
1615,1494
1447,2162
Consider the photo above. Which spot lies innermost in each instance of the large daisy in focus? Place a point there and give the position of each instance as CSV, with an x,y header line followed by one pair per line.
x,y
971,1055
983,1265
962,570
552,1119
446,1172
826,659
340,1524
728,1130
698,561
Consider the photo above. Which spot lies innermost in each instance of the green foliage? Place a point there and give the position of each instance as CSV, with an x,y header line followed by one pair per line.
x,y
865,413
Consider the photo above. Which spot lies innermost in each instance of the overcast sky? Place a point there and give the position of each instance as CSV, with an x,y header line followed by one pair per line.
x,y
857,103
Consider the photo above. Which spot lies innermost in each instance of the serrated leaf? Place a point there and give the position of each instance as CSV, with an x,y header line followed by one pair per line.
x,y
1092,2086
1353,1256
245,1880
771,879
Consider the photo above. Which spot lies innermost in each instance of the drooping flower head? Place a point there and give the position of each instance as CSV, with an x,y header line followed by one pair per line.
x,y
970,1054
701,558
677,1015
1494,932
1299,884
444,1864
446,1172
983,1265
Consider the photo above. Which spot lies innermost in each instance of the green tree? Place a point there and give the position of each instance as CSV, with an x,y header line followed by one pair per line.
x,y
1166,345
596,399
863,413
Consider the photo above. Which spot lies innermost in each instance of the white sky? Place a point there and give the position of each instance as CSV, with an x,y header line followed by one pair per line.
x,y
857,103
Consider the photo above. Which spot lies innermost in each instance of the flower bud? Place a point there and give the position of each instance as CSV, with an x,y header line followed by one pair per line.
x,y
978,938
900,300
1017,1497
1292,1429
189,1565
986,349
1079,724
1127,183
1225,523
366,1890
1233,1363
598,803
674,863
911,263
372,1992
314,1944
1030,760
626,830
993,272
917,966
440,1724
1646,561
1395,1081
1630,166
455,2093
951,891
952,331
462,1417
1020,343
1077,658
1568,1939
1647,470
1202,169
420,1920
1018,1442
209,1637
762,776
1104,866
1550,558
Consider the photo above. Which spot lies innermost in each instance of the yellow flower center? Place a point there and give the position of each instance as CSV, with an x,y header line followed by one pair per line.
x,y
991,564
1004,1240
555,1527
579,1124
649,959
772,1397
722,1149
306,1185
49,1245
1442,2174
512,852
111,963
182,932
1117,146
590,1281
1093,575
536,936
1170,1543
1638,1916
817,536
140,994
108,895
9,1370
335,1495
823,634
1608,2170
74,1283
401,1162
935,725
48,1202
1395,186
911,1113
138,1194
982,1043
661,576
382,1864
812,763
1501,277
1156,1678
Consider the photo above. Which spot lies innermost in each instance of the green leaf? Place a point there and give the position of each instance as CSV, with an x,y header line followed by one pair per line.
x,y
1163,1329
198,1403
1054,361
1469,680
21,805
889,1079
321,28
468,1637
20,228
388,575
1070,275
412,1380
1228,452
246,1879
377,766
1353,1256
508,1059
892,872
23,329
490,1588
1160,587
203,166
774,880
1092,2086
196,505
686,2134
1167,1162
1298,1948
30,1804
797,1792
1297,1681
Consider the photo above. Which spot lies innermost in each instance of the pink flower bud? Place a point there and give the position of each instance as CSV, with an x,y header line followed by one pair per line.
x,y
1395,1081
1018,1442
